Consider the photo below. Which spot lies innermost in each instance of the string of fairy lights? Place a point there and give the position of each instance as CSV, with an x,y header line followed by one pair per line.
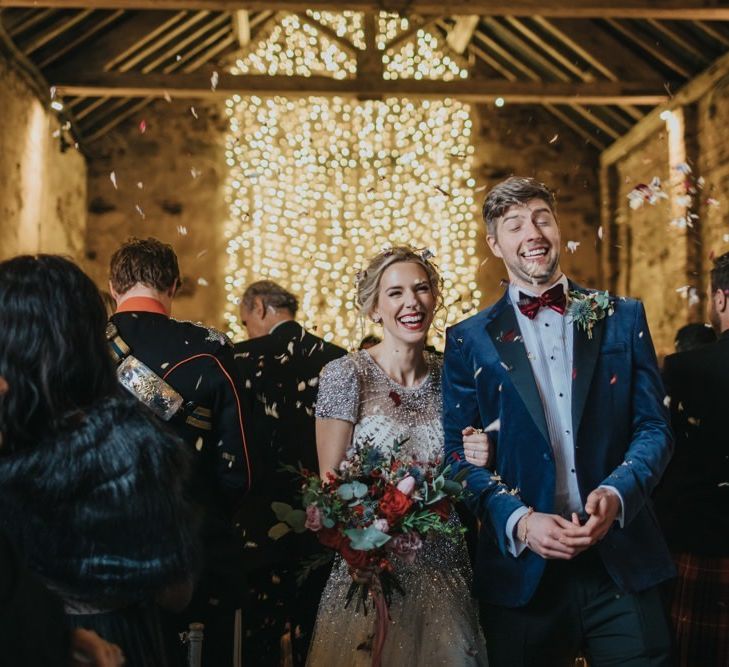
x,y
318,185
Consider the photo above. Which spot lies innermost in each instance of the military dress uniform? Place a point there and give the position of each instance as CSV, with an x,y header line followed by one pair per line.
x,y
280,372
194,388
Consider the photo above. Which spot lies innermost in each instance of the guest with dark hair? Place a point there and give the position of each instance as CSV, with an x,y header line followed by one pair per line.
x,y
692,501
90,487
29,611
280,366
694,335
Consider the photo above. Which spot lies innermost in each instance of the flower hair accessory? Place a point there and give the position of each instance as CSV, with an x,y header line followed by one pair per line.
x,y
586,308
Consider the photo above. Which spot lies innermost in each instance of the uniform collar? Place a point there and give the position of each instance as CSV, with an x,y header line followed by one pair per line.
x,y
143,304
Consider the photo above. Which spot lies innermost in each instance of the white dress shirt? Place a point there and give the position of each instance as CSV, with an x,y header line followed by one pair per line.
x,y
548,340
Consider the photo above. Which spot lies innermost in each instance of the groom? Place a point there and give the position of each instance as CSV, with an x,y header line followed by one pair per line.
x,y
569,554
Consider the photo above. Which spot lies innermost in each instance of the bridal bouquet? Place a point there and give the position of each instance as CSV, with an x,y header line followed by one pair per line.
x,y
378,507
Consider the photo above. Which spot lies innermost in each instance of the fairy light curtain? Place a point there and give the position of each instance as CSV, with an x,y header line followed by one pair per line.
x,y
318,185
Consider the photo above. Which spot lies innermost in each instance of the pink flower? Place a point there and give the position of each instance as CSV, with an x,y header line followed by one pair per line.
x,y
405,546
406,485
313,518
381,525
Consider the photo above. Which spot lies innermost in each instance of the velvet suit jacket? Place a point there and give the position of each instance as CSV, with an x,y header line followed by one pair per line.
x,y
622,438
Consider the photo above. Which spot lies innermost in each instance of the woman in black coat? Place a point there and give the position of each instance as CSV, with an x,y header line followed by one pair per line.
x,y
90,486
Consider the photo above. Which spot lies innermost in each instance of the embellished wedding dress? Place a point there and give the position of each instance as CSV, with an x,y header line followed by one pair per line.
x,y
436,622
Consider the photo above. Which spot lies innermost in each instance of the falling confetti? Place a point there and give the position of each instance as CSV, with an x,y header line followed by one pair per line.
x,y
167,97
197,384
112,178
182,230
614,379
53,92
572,246
202,282
193,112
165,364
195,172
640,334
143,127
140,185
646,194
599,232
667,401
478,372
554,138
214,78
140,211
199,444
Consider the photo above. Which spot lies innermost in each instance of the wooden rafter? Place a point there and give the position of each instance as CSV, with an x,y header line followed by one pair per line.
x,y
81,37
682,42
328,32
648,45
133,84
54,31
574,126
705,10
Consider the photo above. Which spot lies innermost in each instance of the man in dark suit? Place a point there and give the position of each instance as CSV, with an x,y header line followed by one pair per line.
x,y
692,501
190,366
280,366
569,554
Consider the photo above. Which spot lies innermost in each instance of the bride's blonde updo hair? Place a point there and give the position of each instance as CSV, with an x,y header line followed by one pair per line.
x,y
368,280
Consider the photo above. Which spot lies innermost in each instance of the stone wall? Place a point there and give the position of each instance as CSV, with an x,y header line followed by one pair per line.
x,y
167,182
527,141
648,254
42,186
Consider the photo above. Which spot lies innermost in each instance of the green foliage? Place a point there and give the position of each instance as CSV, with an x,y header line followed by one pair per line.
x,y
366,539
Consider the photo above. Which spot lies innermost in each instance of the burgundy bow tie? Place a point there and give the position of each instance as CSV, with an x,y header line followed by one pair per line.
x,y
553,298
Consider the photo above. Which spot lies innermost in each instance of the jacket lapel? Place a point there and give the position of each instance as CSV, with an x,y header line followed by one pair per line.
x,y
585,352
503,329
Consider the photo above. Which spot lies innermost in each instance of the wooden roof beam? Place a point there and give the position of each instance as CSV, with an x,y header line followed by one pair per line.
x,y
133,84
704,10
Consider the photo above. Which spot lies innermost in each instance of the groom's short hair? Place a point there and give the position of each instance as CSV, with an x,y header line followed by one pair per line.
x,y
514,191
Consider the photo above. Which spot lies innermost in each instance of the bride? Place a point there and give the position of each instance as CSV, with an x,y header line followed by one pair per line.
x,y
385,393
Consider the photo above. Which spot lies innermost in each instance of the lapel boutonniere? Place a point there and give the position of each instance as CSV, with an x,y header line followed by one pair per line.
x,y
586,308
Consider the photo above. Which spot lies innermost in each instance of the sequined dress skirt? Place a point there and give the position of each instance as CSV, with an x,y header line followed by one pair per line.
x,y
435,623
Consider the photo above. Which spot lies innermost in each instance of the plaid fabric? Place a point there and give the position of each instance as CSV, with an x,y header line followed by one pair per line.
x,y
700,610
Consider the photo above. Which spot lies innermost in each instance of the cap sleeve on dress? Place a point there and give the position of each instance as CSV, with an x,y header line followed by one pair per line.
x,y
338,396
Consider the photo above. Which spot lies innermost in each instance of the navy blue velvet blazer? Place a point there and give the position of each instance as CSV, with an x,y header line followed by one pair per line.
x,y
623,438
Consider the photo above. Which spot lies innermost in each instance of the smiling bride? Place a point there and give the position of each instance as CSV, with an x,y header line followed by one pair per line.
x,y
383,395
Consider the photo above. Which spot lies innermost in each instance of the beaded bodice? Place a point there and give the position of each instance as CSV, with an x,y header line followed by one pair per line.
x,y
355,389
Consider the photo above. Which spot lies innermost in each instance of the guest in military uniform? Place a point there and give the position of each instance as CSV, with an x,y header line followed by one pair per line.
x,y
186,374
280,365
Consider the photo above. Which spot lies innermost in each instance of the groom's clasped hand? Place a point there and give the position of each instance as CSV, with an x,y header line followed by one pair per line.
x,y
553,536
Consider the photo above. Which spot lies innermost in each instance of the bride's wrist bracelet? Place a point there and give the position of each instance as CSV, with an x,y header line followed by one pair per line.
x,y
523,529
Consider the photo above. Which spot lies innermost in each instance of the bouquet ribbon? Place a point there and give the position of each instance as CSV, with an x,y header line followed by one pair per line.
x,y
382,619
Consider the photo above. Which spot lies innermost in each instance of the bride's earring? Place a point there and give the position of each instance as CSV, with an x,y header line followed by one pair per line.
x,y
376,319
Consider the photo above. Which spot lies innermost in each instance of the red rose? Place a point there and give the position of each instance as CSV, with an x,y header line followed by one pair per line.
x,y
357,559
394,504
330,537
442,508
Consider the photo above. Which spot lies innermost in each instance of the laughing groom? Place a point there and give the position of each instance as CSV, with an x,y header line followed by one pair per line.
x,y
569,554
